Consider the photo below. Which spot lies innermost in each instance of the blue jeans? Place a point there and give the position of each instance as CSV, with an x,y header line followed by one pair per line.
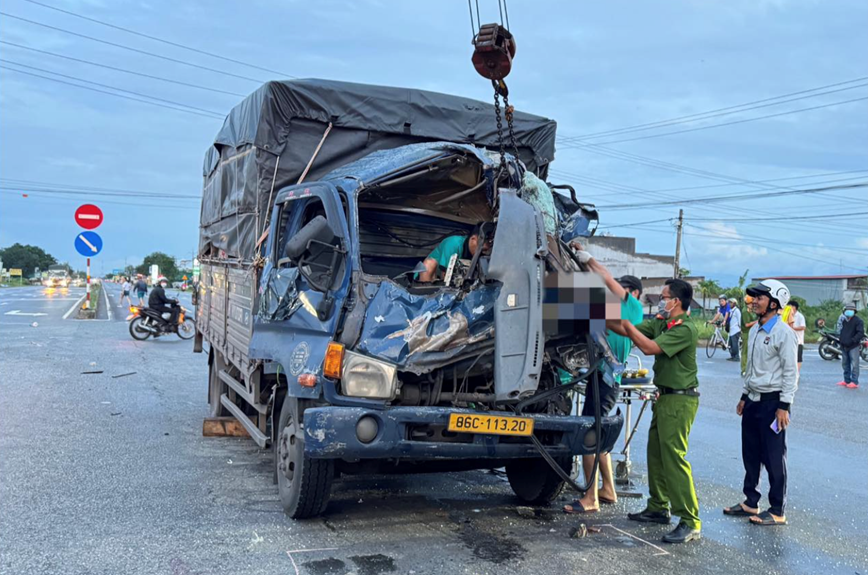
x,y
850,363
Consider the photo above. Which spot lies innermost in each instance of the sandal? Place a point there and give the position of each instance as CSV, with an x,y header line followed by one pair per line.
x,y
576,508
738,510
766,518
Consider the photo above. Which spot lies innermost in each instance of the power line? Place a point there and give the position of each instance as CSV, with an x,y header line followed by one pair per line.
x,y
54,185
633,224
131,49
824,174
162,40
39,196
124,70
733,196
733,122
739,235
782,218
794,254
109,93
27,190
716,112
77,79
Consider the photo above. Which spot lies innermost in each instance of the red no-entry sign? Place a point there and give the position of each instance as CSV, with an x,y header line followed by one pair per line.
x,y
88,216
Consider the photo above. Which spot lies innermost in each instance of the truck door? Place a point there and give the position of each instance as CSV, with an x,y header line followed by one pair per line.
x,y
302,289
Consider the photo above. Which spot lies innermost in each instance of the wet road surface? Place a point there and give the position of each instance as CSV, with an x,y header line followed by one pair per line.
x,y
105,474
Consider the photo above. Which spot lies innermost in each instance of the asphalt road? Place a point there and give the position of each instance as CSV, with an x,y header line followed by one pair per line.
x,y
109,473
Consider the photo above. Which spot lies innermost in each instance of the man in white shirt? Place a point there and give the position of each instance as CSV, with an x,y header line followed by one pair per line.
x,y
797,322
734,330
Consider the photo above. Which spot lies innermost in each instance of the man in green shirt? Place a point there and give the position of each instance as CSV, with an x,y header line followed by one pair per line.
x,y
464,246
671,338
628,289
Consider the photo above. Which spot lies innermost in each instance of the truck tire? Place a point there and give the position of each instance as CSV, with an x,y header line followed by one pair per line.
x,y
534,481
304,484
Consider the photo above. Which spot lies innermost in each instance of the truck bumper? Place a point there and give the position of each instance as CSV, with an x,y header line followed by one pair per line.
x,y
419,433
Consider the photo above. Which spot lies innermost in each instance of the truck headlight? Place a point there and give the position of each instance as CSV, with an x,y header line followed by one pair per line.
x,y
363,376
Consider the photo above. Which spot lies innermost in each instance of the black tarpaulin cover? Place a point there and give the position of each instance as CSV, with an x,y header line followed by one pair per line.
x,y
267,140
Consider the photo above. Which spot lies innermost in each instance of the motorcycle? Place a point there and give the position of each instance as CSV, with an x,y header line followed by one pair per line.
x,y
830,344
146,322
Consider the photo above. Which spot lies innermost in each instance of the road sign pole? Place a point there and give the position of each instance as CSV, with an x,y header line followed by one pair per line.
x,y
88,284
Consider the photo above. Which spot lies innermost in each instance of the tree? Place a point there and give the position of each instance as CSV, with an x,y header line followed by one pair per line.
x,y
708,288
165,262
683,272
26,258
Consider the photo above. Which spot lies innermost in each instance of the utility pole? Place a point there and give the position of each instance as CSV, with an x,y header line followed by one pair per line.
x,y
679,227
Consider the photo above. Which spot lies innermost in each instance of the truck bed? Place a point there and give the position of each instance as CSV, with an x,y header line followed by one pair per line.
x,y
224,315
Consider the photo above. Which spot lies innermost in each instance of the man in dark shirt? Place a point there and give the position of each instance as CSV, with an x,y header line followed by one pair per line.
x,y
158,301
852,333
141,288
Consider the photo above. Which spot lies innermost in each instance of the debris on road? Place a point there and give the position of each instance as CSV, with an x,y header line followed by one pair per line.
x,y
124,374
34,324
525,512
579,532
116,413
92,372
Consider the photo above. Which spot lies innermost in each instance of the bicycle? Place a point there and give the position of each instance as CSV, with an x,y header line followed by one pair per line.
x,y
717,340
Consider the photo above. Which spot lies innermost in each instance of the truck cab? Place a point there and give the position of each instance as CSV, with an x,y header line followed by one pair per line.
x,y
333,353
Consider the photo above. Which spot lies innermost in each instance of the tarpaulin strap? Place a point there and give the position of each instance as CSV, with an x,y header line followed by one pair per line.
x,y
267,211
315,152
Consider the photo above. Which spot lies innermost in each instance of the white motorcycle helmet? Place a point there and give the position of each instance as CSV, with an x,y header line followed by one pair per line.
x,y
775,289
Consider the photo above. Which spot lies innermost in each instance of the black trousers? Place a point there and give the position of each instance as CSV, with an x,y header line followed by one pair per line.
x,y
762,447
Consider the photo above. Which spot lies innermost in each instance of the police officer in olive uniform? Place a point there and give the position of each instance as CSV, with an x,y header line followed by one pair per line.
x,y
671,338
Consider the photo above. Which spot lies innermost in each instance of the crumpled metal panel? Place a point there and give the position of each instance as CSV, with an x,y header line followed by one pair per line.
x,y
516,261
420,333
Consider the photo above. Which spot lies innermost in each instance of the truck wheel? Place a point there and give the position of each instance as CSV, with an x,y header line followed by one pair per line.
x,y
534,481
216,388
304,484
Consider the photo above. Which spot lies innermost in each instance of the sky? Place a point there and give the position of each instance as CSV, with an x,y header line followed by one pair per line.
x,y
598,68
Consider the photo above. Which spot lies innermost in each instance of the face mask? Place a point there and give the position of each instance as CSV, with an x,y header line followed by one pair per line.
x,y
849,313
661,308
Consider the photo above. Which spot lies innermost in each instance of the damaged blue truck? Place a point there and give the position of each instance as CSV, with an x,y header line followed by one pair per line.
x,y
320,201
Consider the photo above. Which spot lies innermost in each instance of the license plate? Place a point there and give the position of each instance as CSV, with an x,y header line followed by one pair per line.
x,y
490,424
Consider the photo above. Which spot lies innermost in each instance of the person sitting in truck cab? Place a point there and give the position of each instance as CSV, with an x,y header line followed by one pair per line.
x,y
464,246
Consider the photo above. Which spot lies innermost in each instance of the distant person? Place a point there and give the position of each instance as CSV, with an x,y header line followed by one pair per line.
x,y
852,334
841,319
734,330
770,384
798,323
141,287
126,287
722,313
628,289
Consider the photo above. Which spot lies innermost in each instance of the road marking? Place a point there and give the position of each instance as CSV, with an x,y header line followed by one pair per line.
x,y
74,307
295,566
19,312
660,549
108,305
90,245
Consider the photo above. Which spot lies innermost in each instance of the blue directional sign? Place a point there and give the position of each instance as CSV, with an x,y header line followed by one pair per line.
x,y
88,244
